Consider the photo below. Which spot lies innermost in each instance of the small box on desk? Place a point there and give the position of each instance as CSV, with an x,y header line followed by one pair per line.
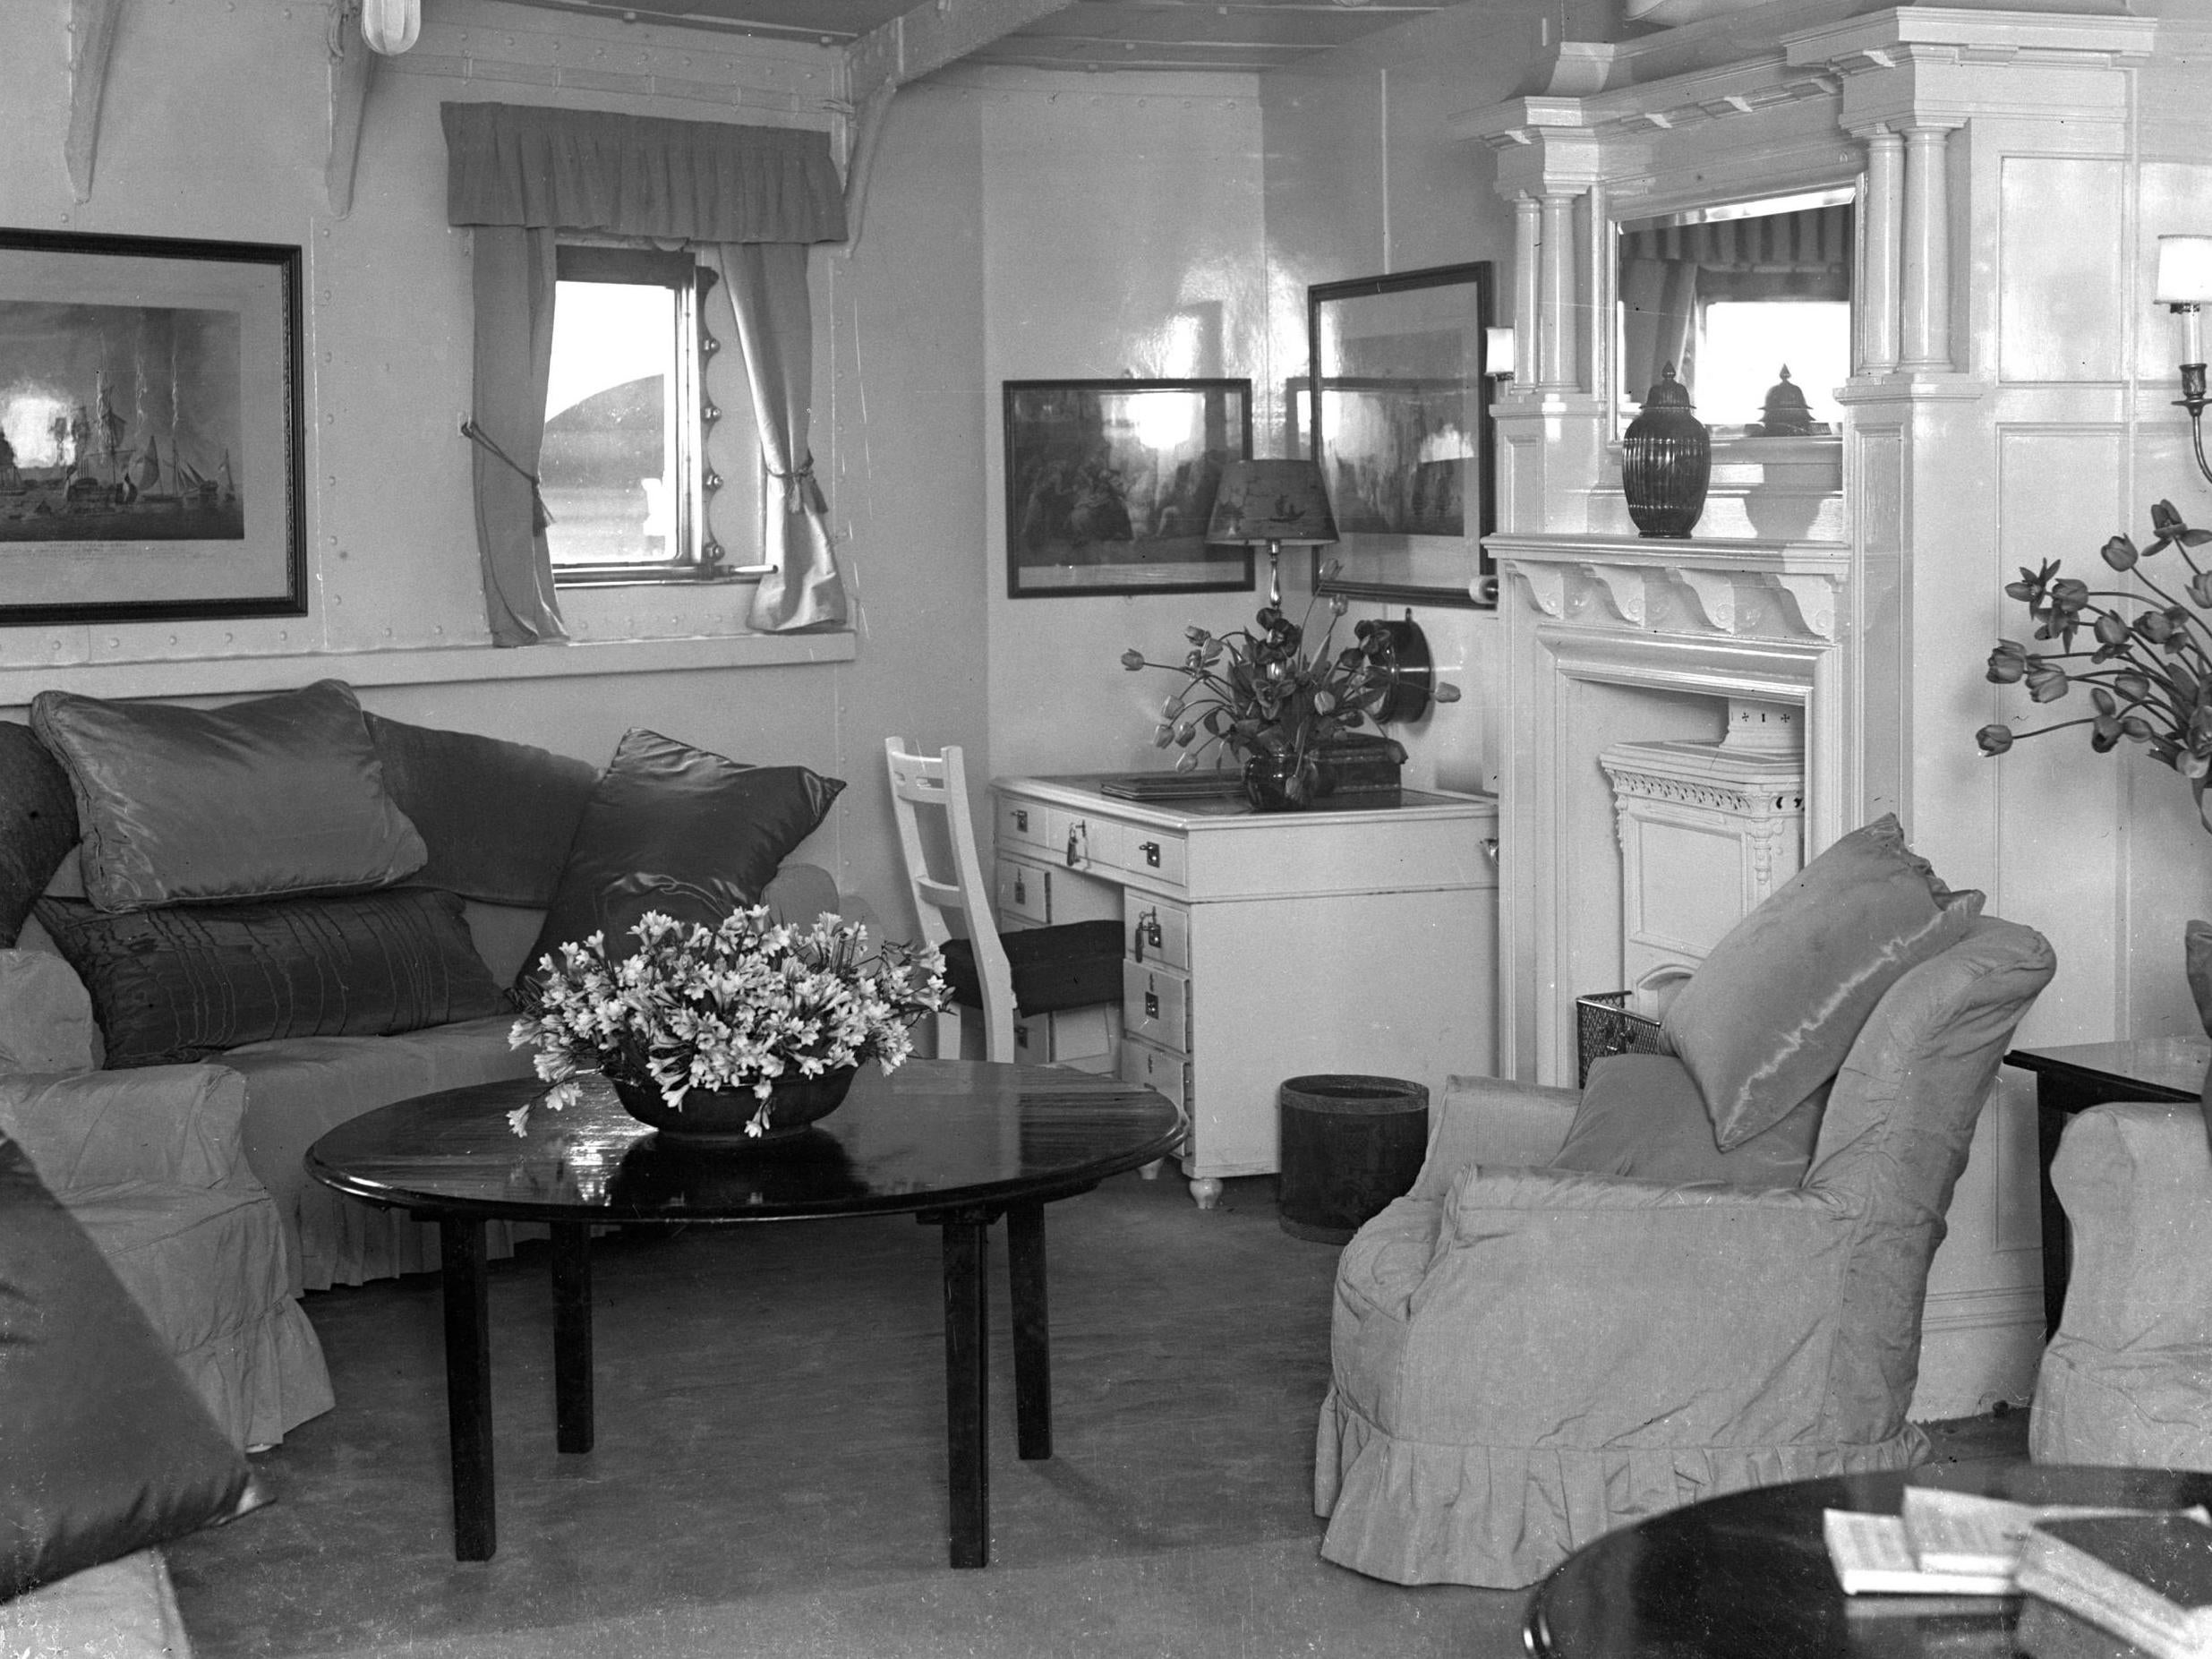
x,y
1360,763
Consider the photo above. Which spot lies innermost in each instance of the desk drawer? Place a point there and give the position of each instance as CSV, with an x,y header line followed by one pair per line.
x,y
1156,1006
1156,854
1156,1069
1083,1038
1082,839
1155,932
1024,893
1022,823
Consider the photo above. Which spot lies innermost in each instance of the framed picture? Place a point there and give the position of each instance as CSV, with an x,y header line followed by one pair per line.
x,y
1400,413
150,429
1110,484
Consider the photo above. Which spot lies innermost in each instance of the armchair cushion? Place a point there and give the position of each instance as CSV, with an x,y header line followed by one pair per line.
x,y
275,795
178,1123
46,1014
1641,1116
678,830
104,1448
1768,1016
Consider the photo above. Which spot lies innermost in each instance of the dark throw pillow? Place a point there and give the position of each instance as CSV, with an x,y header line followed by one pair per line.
x,y
496,817
104,1448
1769,1014
185,982
277,795
37,824
682,831
1641,1116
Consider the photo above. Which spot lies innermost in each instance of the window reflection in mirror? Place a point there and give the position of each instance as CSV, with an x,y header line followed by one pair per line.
x,y
1750,303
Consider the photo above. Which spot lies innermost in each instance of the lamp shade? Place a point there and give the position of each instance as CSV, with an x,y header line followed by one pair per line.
x,y
390,26
2184,270
1262,502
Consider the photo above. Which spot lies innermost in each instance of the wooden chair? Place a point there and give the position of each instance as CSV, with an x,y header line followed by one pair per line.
x,y
1006,977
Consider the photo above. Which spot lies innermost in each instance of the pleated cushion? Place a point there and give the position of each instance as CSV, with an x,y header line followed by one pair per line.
x,y
185,982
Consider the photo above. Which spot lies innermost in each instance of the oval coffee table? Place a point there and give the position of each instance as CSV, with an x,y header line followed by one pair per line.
x,y
955,1144
1746,1576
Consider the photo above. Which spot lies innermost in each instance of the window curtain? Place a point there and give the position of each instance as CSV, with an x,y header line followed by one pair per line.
x,y
768,191
1669,272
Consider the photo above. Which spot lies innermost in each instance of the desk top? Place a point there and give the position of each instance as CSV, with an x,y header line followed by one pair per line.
x,y
1083,789
933,1134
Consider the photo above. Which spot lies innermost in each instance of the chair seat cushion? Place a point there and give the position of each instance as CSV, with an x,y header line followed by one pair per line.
x,y
1076,964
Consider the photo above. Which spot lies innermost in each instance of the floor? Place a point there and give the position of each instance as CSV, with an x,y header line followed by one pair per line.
x,y
769,1476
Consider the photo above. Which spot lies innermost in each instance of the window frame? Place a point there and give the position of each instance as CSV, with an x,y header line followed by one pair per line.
x,y
700,558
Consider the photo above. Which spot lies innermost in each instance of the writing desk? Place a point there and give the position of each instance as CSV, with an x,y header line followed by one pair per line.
x,y
1357,936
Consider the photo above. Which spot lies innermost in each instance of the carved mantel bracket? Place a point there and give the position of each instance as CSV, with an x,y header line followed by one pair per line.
x,y
1765,589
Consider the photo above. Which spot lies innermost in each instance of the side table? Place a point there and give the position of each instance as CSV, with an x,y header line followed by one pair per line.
x,y
2076,1076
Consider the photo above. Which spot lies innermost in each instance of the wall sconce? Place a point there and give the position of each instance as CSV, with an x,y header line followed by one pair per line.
x,y
390,26
2184,285
1498,351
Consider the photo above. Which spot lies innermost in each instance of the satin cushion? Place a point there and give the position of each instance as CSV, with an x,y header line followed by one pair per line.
x,y
680,829
277,795
496,818
1641,1116
1769,1014
104,1447
185,982
37,823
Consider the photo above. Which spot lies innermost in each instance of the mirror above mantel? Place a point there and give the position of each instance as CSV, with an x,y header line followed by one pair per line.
x,y
1750,302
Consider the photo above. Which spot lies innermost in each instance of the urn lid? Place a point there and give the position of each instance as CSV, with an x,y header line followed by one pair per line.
x,y
1786,406
1667,392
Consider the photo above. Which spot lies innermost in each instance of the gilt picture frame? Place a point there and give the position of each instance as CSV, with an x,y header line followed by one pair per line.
x,y
1110,485
150,432
1397,404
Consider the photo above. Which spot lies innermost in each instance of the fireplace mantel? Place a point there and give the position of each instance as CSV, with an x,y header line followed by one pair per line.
x,y
1729,582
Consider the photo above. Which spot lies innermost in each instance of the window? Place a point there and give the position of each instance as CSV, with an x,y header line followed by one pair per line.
x,y
634,446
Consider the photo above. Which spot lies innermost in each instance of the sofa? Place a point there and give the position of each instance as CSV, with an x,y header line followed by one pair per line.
x,y
223,932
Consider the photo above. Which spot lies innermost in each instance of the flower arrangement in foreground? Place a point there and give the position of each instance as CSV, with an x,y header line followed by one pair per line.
x,y
732,1007
2149,675
1254,694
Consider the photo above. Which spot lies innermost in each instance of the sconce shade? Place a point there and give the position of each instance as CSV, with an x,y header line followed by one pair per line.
x,y
2184,270
390,26
1498,352
1271,501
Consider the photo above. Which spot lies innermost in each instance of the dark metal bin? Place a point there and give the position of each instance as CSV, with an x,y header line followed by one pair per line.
x,y
1350,1144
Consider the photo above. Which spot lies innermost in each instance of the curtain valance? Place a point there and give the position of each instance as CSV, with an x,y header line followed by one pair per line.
x,y
1811,240
639,175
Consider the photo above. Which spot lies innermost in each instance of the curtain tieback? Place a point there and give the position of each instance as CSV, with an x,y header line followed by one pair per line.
x,y
801,493
541,515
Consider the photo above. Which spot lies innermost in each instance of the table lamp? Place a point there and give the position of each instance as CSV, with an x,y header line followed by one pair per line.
x,y
1268,503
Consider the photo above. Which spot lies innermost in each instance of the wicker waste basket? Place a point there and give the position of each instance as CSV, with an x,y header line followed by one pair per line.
x,y
1350,1144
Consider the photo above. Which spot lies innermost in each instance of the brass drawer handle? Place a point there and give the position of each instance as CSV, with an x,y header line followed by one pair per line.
x,y
1021,890
1151,851
1151,1005
1079,842
1148,933
1021,819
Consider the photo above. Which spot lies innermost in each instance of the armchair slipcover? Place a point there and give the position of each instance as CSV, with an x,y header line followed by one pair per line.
x,y
2128,1378
1525,1358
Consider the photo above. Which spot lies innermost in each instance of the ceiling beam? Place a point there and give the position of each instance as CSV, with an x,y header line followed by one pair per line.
x,y
91,40
932,34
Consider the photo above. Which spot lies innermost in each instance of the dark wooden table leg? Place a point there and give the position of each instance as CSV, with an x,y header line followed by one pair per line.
x,y
572,1336
1025,1273
2052,1108
468,1386
967,1382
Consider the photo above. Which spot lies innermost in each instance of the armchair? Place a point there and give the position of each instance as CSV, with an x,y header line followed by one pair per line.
x,y
1524,1357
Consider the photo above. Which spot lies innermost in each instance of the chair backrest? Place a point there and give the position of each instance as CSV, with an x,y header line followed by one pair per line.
x,y
931,792
1899,1124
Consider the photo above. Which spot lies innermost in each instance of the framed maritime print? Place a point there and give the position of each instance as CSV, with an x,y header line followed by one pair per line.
x,y
1110,484
1399,405
150,428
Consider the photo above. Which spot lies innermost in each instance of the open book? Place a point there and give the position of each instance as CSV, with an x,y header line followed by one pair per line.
x,y
1942,1543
